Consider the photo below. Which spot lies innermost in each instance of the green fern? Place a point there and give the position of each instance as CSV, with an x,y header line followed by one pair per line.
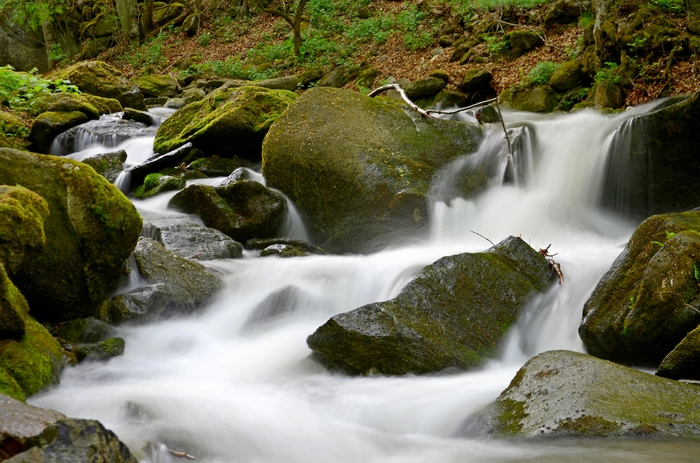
x,y
696,272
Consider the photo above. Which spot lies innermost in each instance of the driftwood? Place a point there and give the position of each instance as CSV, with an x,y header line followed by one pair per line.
x,y
554,265
427,113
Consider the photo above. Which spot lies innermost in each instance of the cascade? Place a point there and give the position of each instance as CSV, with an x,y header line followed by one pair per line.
x,y
228,385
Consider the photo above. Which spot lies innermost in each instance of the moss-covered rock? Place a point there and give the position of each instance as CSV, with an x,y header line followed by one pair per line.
x,y
567,76
216,166
242,210
99,78
155,184
561,393
156,85
683,362
11,125
524,39
453,314
11,310
49,125
21,425
476,79
108,165
608,95
100,351
643,306
356,192
189,284
533,98
659,168
31,361
84,330
140,305
74,440
167,12
22,217
91,229
424,88
228,122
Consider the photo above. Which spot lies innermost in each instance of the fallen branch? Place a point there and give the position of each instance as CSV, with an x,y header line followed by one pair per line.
x,y
554,265
404,97
184,455
479,234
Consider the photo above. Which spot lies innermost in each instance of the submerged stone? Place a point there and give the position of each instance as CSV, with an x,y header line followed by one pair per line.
x,y
453,314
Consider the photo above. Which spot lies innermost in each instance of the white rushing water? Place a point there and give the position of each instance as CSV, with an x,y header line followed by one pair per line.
x,y
225,390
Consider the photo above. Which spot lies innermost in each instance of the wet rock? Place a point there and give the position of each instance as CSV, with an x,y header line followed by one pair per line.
x,y
90,230
653,165
647,302
189,283
155,184
357,194
561,393
683,362
21,425
242,210
72,440
108,165
131,114
175,103
282,303
50,124
453,314
22,217
190,95
100,351
228,122
306,248
218,167
139,305
193,241
109,130
84,330
240,173
99,78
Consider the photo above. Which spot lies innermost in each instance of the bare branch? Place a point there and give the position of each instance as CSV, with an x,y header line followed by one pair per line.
x,y
404,97
479,234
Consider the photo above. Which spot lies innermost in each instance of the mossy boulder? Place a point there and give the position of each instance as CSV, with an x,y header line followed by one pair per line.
x,y
100,351
21,425
356,193
524,40
22,217
29,362
167,12
108,165
155,184
659,168
49,125
84,330
683,362
424,88
453,314
216,166
11,310
11,125
75,440
101,79
140,305
242,210
155,86
608,95
228,122
648,301
476,79
533,98
567,76
90,230
562,393
188,283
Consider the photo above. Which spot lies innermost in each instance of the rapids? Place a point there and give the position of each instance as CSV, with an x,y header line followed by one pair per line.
x,y
227,390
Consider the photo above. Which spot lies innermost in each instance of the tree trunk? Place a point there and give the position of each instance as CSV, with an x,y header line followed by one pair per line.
x,y
147,20
129,17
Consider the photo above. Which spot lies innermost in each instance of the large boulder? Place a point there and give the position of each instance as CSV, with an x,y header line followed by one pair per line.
x,y
72,440
242,210
561,393
683,362
194,241
453,314
228,122
532,98
648,301
359,169
22,217
49,125
101,79
90,231
21,425
155,86
188,283
30,359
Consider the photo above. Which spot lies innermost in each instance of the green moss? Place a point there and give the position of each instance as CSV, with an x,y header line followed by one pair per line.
x,y
22,235
9,386
511,416
587,425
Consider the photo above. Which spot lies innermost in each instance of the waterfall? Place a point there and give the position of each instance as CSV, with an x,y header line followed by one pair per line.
x,y
233,383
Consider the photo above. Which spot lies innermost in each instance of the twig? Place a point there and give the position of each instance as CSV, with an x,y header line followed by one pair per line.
x,y
554,265
184,455
404,97
533,29
483,237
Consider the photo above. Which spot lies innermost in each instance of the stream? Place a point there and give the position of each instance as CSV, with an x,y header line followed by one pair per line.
x,y
225,386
